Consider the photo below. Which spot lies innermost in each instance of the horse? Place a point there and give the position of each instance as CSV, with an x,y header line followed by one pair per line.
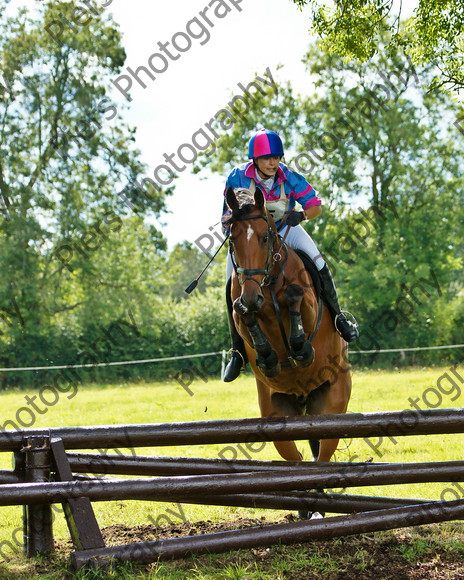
x,y
298,358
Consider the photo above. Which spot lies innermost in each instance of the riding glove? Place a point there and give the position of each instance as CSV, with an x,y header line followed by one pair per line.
x,y
293,218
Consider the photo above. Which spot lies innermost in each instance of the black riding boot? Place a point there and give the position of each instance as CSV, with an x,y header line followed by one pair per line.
x,y
238,357
347,329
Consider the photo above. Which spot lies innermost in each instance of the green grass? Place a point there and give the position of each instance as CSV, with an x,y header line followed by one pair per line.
x,y
169,402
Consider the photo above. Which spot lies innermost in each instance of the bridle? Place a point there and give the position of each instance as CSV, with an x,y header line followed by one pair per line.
x,y
272,258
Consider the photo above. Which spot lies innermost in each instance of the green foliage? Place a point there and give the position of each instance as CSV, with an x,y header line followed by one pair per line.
x,y
384,155
182,265
434,34
76,263
72,258
416,552
402,156
280,112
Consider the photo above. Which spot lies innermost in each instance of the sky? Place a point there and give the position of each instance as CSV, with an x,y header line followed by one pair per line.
x,y
254,36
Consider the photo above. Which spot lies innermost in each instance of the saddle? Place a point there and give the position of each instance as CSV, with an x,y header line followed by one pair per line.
x,y
310,267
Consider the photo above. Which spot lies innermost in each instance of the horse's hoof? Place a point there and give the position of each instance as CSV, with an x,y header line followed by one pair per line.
x,y
305,515
273,372
270,365
305,356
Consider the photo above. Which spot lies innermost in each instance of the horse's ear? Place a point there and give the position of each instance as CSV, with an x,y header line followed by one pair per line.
x,y
231,199
259,199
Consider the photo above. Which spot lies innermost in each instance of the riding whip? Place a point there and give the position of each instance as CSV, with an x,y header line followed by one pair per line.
x,y
194,284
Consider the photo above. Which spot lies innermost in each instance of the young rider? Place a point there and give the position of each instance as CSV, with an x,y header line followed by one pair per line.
x,y
282,188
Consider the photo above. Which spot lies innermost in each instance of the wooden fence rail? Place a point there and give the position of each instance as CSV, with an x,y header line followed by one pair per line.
x,y
390,424
46,472
150,489
303,531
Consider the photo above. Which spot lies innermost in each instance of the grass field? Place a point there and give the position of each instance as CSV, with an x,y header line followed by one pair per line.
x,y
167,402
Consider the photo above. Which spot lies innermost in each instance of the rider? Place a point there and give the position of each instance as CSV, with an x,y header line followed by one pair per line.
x,y
281,187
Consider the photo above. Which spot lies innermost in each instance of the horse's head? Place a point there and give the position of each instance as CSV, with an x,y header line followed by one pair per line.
x,y
252,239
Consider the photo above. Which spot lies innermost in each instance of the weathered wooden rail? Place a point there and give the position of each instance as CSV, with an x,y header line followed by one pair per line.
x,y
390,424
302,531
46,473
170,488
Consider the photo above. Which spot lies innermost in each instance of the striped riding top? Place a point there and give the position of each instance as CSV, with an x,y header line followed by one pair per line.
x,y
287,182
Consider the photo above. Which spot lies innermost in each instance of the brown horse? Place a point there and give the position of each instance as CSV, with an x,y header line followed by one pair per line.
x,y
298,358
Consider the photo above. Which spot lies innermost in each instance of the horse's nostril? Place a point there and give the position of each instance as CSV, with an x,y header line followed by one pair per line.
x,y
251,302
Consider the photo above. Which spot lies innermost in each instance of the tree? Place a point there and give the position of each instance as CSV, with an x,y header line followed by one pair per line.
x,y
180,267
433,35
384,155
400,153
65,155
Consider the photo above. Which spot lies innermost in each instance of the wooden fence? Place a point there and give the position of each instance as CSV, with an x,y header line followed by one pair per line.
x,y
46,472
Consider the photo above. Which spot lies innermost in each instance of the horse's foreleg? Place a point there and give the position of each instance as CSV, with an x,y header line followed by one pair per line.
x,y
327,448
286,449
302,350
266,358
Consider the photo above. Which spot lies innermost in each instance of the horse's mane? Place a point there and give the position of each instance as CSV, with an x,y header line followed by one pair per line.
x,y
246,204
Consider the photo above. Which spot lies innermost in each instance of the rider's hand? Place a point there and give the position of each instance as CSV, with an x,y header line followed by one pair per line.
x,y
293,218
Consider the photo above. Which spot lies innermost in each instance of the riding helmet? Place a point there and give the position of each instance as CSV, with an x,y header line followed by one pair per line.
x,y
265,143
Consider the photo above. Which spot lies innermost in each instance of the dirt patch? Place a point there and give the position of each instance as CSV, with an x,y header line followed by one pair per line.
x,y
426,553
434,552
146,533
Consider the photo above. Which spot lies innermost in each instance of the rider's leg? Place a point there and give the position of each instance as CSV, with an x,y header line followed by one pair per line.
x,y
345,327
299,239
238,357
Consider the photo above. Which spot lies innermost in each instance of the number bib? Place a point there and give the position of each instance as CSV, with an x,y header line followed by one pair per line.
x,y
276,208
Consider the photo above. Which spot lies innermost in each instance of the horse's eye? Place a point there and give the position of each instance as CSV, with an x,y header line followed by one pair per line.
x,y
265,238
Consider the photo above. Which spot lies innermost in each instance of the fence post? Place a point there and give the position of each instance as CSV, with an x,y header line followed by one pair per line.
x,y
223,363
38,521
19,466
78,512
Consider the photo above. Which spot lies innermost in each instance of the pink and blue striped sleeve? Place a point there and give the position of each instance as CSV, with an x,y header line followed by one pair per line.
x,y
307,197
302,191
